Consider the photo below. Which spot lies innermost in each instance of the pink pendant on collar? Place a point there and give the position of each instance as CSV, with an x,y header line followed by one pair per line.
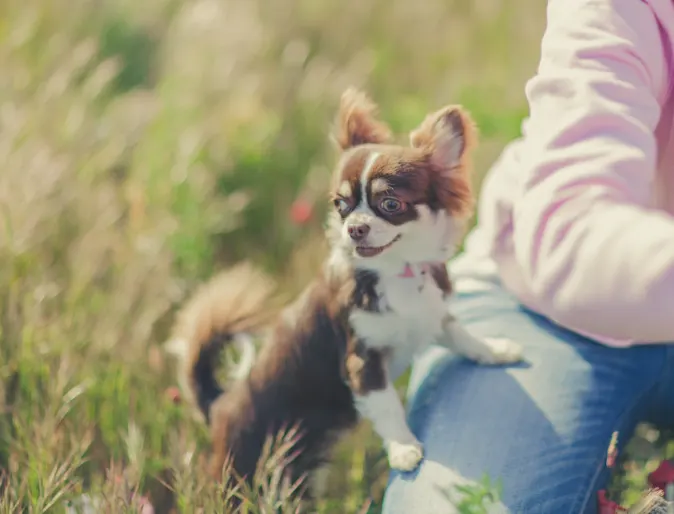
x,y
409,272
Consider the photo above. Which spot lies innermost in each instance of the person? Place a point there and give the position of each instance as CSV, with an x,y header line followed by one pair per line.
x,y
573,257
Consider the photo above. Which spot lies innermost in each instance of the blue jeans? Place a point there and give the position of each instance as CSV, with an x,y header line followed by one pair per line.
x,y
542,428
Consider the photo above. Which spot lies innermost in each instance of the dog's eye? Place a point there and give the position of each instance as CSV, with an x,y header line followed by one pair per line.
x,y
391,205
341,205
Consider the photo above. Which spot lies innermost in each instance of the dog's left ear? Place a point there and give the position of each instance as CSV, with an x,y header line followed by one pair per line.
x,y
357,123
447,135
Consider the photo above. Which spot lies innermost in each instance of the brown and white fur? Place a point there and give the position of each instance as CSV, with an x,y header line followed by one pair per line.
x,y
332,356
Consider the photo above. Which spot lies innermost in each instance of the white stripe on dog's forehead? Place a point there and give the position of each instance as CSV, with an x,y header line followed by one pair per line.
x,y
372,158
379,185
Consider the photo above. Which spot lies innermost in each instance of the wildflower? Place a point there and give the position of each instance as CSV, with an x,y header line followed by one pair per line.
x,y
301,211
607,506
663,477
173,394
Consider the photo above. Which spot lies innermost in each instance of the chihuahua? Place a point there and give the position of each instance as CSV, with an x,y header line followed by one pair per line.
x,y
332,356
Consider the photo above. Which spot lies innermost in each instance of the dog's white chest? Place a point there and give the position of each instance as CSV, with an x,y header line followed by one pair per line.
x,y
412,312
410,297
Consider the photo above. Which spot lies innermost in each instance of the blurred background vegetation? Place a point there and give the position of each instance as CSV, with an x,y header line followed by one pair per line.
x,y
145,144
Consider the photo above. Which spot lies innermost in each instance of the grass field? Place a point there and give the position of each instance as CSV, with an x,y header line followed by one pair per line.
x,y
145,145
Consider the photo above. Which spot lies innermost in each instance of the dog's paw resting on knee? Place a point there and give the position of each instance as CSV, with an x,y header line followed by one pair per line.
x,y
494,351
502,351
404,456
484,350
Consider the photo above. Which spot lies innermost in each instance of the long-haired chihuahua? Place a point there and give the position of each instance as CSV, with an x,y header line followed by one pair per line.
x,y
332,356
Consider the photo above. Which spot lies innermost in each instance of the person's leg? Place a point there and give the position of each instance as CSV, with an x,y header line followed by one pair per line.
x,y
541,428
664,416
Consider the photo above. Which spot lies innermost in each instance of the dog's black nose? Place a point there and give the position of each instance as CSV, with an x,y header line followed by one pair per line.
x,y
358,232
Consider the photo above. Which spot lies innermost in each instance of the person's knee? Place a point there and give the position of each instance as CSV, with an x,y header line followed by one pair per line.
x,y
541,428
435,488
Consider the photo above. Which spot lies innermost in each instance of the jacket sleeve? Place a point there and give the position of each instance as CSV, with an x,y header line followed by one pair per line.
x,y
595,253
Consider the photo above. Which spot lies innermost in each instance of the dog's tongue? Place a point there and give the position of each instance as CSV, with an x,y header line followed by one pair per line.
x,y
407,272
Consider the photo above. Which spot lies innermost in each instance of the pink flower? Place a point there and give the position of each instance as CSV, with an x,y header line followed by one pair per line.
x,y
301,211
173,394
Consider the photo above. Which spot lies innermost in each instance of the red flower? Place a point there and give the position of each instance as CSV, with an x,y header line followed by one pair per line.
x,y
607,506
173,394
662,476
301,211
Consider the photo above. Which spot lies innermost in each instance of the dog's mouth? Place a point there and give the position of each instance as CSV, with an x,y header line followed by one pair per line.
x,y
371,251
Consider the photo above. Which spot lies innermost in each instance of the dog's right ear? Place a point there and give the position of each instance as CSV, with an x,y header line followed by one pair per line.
x,y
357,123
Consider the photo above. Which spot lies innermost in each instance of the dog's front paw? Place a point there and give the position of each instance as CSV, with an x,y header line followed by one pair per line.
x,y
404,457
501,351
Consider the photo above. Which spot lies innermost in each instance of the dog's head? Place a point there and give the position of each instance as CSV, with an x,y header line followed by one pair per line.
x,y
399,204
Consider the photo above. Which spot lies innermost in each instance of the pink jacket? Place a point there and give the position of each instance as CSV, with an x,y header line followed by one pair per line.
x,y
577,216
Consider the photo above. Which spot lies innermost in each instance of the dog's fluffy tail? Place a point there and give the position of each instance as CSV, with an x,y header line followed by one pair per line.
x,y
226,310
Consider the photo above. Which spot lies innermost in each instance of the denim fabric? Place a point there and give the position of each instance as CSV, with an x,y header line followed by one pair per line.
x,y
542,427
